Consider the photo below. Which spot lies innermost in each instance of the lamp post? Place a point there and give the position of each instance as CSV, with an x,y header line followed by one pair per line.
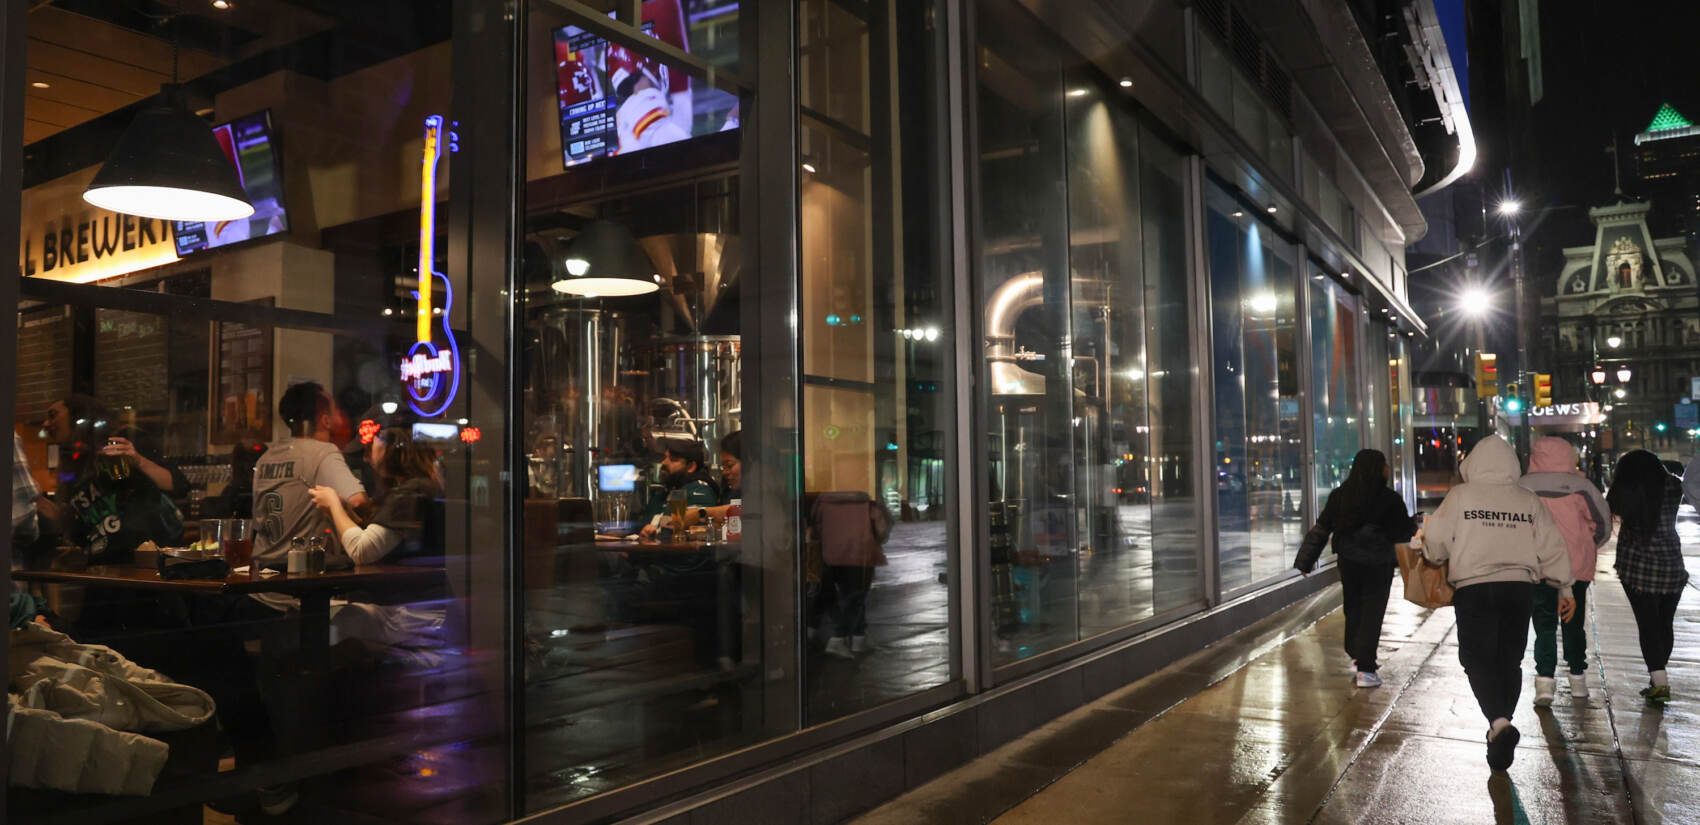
x,y
1509,209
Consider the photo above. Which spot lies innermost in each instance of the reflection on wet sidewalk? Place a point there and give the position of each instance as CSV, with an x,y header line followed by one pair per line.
x,y
1269,729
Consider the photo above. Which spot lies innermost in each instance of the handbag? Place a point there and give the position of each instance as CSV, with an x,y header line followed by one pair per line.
x,y
1310,549
1426,582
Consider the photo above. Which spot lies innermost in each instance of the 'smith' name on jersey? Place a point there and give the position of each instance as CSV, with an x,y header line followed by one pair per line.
x,y
1496,518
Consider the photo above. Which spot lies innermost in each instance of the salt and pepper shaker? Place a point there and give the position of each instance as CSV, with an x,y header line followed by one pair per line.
x,y
316,555
298,555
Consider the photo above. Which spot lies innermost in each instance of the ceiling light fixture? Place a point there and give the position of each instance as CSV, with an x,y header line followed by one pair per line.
x,y
221,5
808,167
605,261
1127,83
167,165
40,84
1270,209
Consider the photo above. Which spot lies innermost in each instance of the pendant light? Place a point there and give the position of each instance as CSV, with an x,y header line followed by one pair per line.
x,y
604,261
167,165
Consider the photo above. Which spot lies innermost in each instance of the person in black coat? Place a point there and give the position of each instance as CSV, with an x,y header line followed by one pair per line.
x,y
1366,518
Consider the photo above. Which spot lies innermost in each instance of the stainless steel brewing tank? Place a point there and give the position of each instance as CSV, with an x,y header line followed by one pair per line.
x,y
701,372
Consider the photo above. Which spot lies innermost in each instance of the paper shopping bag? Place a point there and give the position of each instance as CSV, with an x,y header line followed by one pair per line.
x,y
1425,583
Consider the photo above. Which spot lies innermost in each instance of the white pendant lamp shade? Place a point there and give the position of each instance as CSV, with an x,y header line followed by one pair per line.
x,y
604,261
167,165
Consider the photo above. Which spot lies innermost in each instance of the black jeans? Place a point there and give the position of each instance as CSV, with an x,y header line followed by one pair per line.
x,y
1655,617
1366,587
849,611
1493,630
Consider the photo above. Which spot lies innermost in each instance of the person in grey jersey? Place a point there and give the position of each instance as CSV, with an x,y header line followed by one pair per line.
x,y
286,474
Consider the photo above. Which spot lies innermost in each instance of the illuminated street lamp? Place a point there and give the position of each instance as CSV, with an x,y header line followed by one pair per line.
x,y
1621,393
1614,341
1598,375
1510,207
1474,302
1623,374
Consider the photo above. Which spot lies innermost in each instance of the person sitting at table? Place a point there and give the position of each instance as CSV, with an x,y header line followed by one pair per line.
x,y
288,471
410,491
106,502
408,522
682,470
236,500
731,480
76,412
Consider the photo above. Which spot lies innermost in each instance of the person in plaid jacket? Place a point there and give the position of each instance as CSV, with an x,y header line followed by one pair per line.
x,y
1644,497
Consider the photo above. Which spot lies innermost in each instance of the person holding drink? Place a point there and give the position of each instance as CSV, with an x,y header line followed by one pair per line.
x,y
107,501
685,486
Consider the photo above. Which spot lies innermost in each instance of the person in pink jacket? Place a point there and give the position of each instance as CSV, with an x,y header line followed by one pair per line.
x,y
1583,517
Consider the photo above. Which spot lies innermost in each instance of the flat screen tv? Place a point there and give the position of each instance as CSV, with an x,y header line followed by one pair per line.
x,y
615,102
251,146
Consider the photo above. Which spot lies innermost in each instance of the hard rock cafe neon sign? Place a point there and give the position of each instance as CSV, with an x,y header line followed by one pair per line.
x,y
431,368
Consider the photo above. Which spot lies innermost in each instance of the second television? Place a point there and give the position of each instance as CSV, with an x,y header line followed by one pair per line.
x,y
251,147
614,101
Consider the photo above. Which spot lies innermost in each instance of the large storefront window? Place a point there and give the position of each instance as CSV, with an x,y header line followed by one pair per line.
x,y
878,340
1088,412
1337,392
1259,484
271,470
644,598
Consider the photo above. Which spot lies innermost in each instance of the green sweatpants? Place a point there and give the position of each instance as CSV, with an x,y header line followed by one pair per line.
x,y
1546,629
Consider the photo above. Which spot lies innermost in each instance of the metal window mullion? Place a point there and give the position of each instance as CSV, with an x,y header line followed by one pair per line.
x,y
1203,398
973,579
13,22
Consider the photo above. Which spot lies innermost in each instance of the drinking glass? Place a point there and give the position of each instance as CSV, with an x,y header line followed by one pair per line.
x,y
212,536
238,541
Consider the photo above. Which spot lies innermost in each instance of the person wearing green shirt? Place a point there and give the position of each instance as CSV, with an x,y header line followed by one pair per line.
x,y
683,467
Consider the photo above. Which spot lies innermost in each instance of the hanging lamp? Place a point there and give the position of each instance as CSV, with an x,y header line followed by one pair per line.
x,y
604,261
168,165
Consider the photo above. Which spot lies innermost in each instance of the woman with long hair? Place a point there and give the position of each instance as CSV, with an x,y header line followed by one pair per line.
x,y
409,489
1366,518
1644,497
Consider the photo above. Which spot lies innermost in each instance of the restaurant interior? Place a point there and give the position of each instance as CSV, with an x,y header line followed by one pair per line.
x,y
605,653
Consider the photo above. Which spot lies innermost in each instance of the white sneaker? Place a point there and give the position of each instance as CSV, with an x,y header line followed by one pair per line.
x,y
862,644
1545,687
1578,685
1368,680
836,646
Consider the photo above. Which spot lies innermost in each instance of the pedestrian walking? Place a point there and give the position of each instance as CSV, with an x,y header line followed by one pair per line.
x,y
1644,497
1582,516
1500,543
1366,518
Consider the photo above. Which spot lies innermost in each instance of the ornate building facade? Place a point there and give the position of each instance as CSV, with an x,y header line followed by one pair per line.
x,y
1637,292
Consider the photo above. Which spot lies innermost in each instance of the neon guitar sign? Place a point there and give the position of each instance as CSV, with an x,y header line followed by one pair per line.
x,y
431,371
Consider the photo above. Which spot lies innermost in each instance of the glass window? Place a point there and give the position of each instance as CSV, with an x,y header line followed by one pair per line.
x,y
1336,393
1088,453
1259,488
878,333
647,604
264,462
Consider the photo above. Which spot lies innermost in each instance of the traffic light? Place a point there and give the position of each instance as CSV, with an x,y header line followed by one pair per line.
x,y
1543,390
1660,426
1513,402
1487,375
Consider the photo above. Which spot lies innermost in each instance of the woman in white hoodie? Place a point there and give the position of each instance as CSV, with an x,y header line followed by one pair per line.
x,y
1500,542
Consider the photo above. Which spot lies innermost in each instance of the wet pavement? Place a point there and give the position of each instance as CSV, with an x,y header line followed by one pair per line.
x,y
1268,728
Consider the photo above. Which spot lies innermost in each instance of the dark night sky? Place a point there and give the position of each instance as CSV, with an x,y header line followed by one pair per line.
x,y
1609,65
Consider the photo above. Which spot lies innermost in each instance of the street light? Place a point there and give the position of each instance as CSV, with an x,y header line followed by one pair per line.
x,y
1621,393
1614,341
1598,375
1474,302
1623,375
1510,207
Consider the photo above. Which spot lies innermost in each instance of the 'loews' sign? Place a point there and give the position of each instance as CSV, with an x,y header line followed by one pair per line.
x,y
1576,412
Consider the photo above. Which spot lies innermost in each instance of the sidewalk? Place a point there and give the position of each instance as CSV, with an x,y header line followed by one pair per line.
x,y
1276,733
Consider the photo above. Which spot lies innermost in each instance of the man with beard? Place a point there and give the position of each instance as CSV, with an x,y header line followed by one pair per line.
x,y
683,468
